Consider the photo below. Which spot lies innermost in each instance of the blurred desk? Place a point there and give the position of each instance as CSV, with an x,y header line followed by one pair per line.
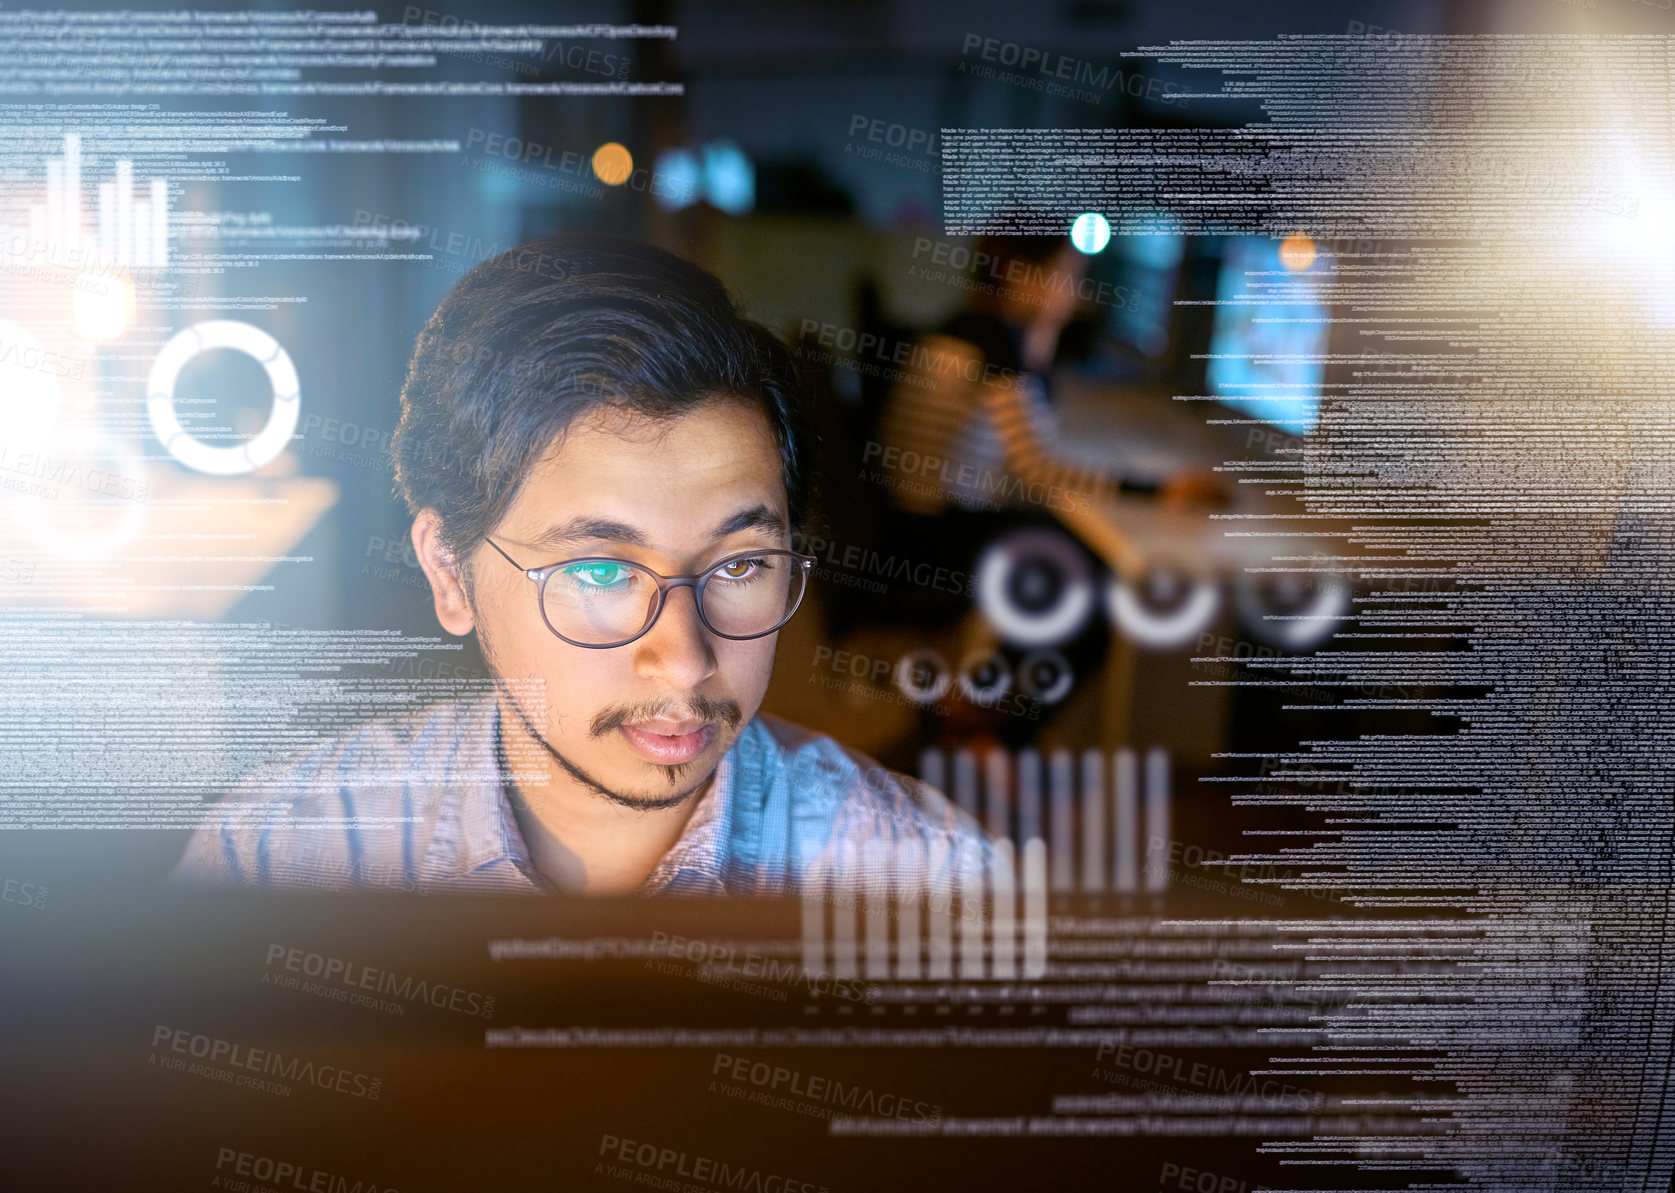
x,y
1133,535
118,556
1146,435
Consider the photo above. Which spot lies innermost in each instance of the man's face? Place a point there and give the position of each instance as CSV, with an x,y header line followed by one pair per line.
x,y
646,723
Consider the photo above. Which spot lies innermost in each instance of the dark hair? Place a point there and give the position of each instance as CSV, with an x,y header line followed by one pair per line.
x,y
532,339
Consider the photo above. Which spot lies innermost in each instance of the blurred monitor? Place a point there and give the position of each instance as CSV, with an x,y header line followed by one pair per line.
x,y
1150,268
1268,342
1135,280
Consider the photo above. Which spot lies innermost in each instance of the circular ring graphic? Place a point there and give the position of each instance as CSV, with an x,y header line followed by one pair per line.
x,y
1045,675
984,677
922,676
260,347
1035,587
1300,621
1161,628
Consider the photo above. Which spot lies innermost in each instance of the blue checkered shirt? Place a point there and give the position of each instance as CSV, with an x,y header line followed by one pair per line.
x,y
421,803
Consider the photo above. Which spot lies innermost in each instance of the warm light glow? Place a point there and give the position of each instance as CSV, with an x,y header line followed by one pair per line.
x,y
94,513
104,306
1297,252
28,387
612,163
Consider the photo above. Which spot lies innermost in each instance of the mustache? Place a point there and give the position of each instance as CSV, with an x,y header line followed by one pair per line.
x,y
637,803
697,708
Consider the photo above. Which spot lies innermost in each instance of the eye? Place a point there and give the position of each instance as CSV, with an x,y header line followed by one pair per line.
x,y
599,573
743,569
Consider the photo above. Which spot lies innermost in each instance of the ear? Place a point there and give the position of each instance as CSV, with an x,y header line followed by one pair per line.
x,y
453,610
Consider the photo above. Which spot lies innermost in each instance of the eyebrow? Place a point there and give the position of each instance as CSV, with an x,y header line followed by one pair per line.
x,y
581,530
585,529
757,517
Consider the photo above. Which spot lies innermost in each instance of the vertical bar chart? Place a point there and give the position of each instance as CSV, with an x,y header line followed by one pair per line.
x,y
130,217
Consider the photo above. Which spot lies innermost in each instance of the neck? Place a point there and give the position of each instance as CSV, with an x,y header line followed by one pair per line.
x,y
579,839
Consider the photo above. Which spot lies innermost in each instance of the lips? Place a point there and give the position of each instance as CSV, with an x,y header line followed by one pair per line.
x,y
669,743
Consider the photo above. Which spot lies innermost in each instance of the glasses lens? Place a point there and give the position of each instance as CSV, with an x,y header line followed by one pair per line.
x,y
752,594
599,602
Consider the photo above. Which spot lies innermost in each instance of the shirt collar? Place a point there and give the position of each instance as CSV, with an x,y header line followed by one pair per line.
x,y
477,833
697,862
479,803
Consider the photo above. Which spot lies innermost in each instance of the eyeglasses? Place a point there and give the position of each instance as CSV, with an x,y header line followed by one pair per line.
x,y
600,602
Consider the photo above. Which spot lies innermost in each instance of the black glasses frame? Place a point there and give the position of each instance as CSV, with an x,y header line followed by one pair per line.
x,y
695,582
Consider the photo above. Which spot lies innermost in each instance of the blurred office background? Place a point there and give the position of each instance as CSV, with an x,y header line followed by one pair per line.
x,y
802,164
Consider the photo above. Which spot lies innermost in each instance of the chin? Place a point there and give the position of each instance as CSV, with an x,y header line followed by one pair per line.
x,y
631,774
655,798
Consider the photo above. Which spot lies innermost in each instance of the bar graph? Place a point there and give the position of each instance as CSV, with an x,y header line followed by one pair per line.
x,y
947,916
964,922
1024,797
126,227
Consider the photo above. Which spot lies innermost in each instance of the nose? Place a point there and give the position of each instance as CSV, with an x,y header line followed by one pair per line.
x,y
677,650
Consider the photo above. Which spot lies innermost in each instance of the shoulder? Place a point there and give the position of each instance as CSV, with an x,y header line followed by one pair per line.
x,y
426,743
864,800
358,809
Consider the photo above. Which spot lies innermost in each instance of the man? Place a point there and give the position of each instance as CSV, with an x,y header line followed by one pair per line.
x,y
606,464
978,397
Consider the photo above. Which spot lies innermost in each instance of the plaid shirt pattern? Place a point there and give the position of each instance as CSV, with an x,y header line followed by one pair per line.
x,y
423,803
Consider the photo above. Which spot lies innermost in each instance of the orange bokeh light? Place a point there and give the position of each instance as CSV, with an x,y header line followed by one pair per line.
x,y
613,163
1297,252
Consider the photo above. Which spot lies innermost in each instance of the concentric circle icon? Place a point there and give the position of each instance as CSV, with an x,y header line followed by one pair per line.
x,y
1045,675
1291,610
1164,609
1035,587
984,677
922,676
260,347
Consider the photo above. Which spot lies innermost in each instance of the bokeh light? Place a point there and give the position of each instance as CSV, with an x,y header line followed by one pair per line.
x,y
28,387
678,178
729,178
104,306
613,163
1091,232
1297,252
